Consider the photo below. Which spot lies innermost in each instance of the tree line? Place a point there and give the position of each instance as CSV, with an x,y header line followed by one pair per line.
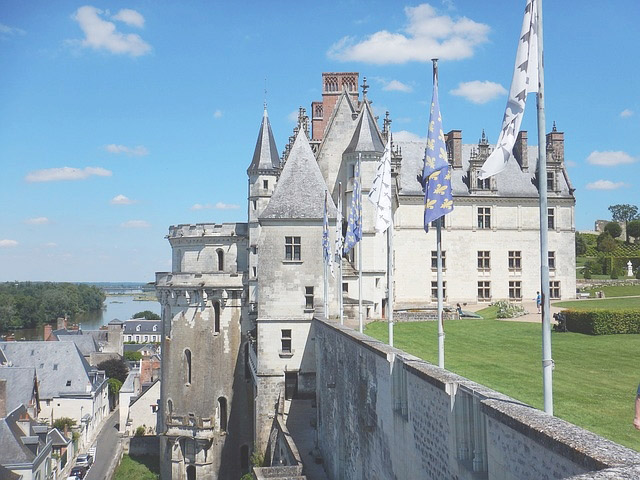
x,y
29,304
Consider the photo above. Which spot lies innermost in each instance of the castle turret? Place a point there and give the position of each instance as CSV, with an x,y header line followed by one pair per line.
x,y
263,174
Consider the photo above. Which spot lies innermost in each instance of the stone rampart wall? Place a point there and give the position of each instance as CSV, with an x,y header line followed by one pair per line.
x,y
383,413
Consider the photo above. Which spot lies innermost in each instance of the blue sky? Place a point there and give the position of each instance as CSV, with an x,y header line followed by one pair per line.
x,y
118,119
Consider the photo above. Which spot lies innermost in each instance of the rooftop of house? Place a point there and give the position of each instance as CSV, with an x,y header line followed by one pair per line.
x,y
20,385
140,325
19,440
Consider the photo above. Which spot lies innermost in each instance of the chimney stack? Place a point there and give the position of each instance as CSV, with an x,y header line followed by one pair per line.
x,y
48,329
454,147
555,145
521,152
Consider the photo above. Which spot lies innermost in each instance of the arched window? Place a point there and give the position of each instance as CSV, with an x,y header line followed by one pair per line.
x,y
220,260
216,317
187,366
191,472
222,409
169,407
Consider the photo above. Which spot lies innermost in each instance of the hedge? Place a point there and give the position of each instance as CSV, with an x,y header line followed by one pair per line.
x,y
603,322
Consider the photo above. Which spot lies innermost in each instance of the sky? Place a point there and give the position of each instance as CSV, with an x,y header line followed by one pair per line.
x,y
118,119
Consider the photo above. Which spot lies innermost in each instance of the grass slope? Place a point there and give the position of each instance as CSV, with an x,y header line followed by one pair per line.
x,y
595,377
137,468
616,290
621,303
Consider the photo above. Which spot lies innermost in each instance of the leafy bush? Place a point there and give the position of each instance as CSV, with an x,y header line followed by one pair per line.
x,y
147,314
614,229
140,431
509,310
586,273
133,356
603,322
62,422
114,386
614,274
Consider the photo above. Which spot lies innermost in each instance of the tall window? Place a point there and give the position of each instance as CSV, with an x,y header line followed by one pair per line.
x,y
515,260
265,184
434,291
222,408
434,260
484,260
484,290
286,340
550,182
308,298
220,260
554,289
551,218
187,366
515,290
216,317
484,184
292,248
552,260
484,217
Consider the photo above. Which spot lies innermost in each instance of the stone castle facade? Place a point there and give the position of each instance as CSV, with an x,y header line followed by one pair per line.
x,y
238,305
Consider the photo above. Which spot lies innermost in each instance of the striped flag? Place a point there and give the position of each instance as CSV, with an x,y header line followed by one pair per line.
x,y
524,81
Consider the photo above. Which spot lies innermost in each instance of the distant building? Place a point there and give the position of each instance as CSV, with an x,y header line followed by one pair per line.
x,y
139,330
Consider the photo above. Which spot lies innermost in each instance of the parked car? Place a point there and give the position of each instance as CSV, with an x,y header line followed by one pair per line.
x,y
84,460
73,477
79,472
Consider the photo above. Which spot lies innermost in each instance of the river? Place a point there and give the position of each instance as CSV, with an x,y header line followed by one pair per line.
x,y
122,307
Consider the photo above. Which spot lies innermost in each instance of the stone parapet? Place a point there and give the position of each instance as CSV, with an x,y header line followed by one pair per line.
x,y
207,229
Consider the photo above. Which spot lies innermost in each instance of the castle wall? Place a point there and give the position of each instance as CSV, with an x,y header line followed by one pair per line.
x,y
383,413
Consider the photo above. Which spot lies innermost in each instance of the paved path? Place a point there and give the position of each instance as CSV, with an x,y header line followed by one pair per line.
x,y
300,421
106,444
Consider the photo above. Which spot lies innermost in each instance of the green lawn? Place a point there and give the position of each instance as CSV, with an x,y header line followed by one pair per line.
x,y
621,303
594,380
137,468
616,290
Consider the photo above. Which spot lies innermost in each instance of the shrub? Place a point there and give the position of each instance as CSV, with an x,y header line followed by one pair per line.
x,y
587,273
140,431
603,322
614,274
133,356
614,229
509,310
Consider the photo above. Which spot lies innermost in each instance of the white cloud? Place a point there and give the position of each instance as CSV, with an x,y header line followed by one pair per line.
x,y
217,206
37,221
479,92
130,17
101,34
406,136
626,113
138,151
610,158
605,185
135,224
7,30
66,173
51,245
217,114
395,86
121,200
6,243
426,36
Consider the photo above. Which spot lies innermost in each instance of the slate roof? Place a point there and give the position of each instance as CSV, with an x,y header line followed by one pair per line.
x,y
299,193
265,155
146,326
13,438
60,366
20,385
366,137
511,182
84,341
6,474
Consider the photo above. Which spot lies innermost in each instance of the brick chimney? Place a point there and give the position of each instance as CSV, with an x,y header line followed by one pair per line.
x,y
48,329
520,150
62,323
454,147
332,85
3,398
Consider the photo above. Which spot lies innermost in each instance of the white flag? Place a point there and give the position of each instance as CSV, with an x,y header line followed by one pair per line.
x,y
337,252
524,81
380,194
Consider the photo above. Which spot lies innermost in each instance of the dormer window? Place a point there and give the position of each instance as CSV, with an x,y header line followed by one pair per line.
x,y
138,327
484,184
155,328
551,181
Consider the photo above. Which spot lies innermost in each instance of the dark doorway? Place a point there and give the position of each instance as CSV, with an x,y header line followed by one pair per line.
x,y
222,405
191,472
290,385
244,458
384,308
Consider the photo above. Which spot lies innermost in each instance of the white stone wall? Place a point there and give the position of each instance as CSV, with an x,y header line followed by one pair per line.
x,y
143,413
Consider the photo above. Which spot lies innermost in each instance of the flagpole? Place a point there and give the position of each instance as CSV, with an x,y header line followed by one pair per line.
x,y
326,263
360,324
340,256
390,280
547,361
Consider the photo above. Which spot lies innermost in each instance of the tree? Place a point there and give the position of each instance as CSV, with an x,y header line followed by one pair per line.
x,y
614,229
581,245
114,386
115,368
624,213
62,422
606,243
133,356
147,314
633,229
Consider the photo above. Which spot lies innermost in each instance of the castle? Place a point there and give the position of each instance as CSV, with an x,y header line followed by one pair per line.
x,y
239,303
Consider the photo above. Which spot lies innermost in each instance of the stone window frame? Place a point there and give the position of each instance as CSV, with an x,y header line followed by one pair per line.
x,y
515,290
216,317
292,248
484,290
551,260
554,290
484,260
308,298
220,257
515,260
188,372
484,218
551,218
434,260
286,343
434,290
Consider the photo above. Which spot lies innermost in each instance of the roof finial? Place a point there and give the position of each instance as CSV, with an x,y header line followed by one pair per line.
x,y
483,140
365,87
386,124
554,127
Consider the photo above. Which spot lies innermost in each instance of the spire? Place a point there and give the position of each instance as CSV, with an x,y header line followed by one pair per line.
x,y
366,137
265,156
300,190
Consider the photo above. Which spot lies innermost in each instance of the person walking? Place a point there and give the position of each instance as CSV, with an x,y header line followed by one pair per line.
x,y
539,302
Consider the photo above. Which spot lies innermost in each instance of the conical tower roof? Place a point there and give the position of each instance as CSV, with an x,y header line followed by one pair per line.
x,y
265,156
366,137
300,190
